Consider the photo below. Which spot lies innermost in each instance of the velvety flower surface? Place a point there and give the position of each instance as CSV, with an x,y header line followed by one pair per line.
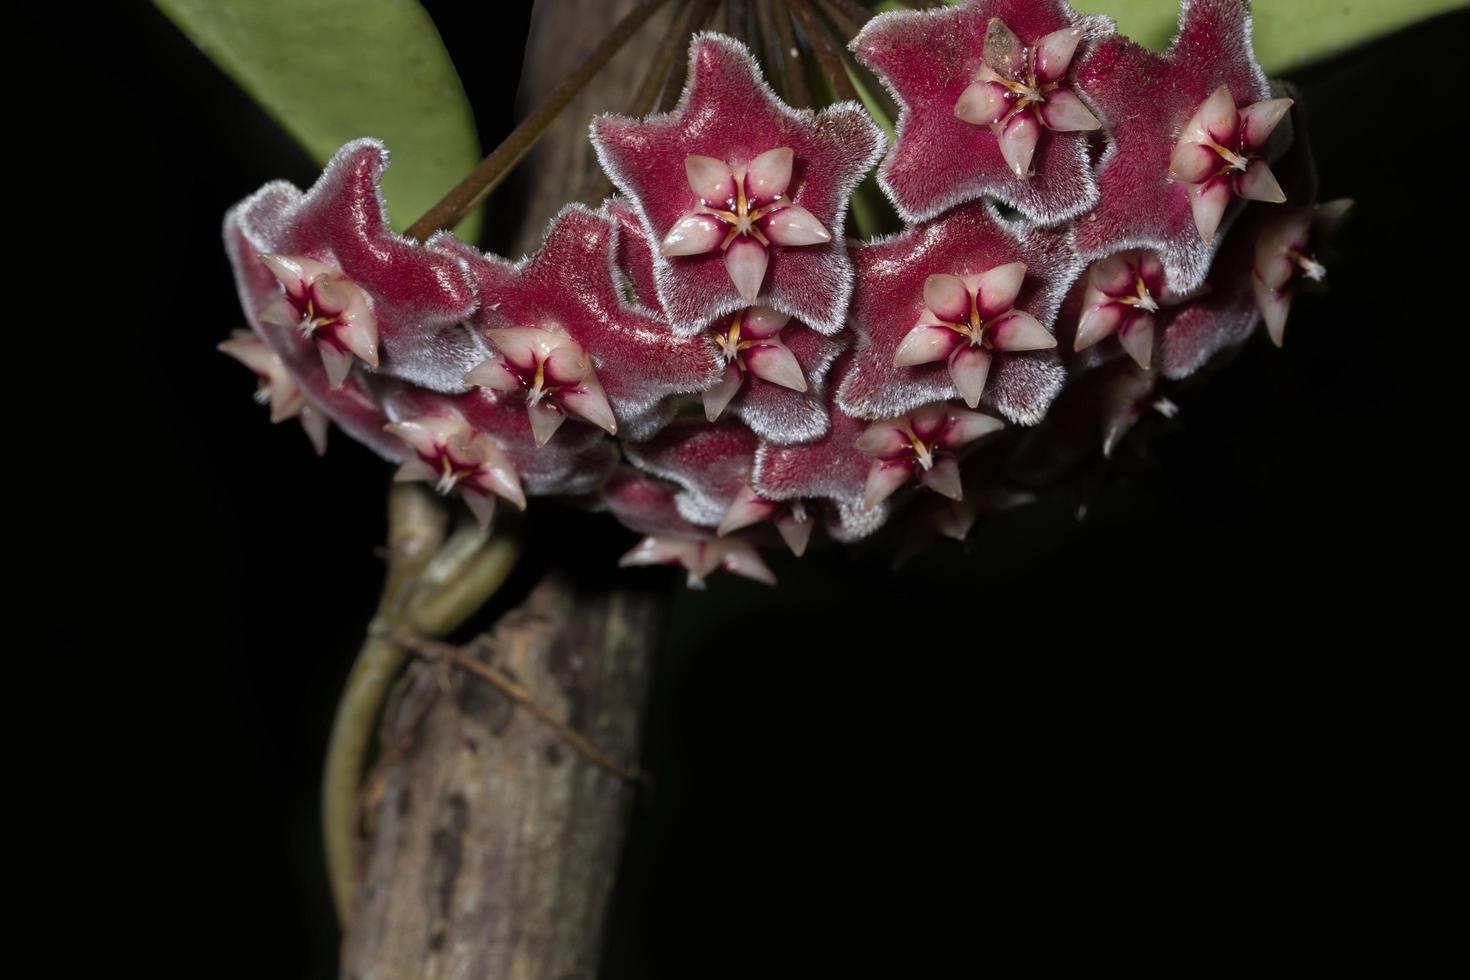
x,y
354,404
1152,103
959,307
351,287
745,195
1221,317
774,366
564,339
647,505
577,461
988,106
710,464
713,465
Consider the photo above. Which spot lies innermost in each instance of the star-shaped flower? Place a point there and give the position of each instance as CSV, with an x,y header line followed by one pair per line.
x,y
1126,394
355,403
831,468
989,106
646,504
959,307
276,387
1167,116
712,464
745,195
578,461
774,366
451,454
700,557
1121,299
1219,155
352,288
1287,254
1220,316
560,316
920,445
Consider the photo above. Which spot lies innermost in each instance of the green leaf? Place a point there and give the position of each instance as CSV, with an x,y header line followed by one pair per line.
x,y
1289,33
330,71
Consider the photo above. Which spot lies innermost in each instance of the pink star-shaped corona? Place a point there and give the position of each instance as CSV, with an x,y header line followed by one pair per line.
x,y
745,195
1288,255
350,287
920,445
561,311
1164,180
646,504
958,307
275,386
989,106
780,398
451,454
1121,299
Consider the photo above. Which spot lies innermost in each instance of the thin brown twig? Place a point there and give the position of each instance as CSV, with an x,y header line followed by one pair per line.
x,y
821,41
799,93
852,10
434,650
645,99
842,20
844,28
704,13
497,166
775,66
737,19
662,63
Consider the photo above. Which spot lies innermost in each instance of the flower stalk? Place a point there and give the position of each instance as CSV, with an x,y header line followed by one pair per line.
x,y
432,586
468,193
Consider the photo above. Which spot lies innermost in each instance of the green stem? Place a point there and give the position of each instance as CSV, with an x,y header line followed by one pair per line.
x,y
469,192
433,588
377,666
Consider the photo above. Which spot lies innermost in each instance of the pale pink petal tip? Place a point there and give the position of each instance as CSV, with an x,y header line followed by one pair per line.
x,y
745,261
711,180
983,103
795,225
769,175
693,234
776,364
700,557
968,369
1065,113
1018,141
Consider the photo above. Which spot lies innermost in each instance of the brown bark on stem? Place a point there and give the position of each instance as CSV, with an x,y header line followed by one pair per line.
x,y
495,842
493,831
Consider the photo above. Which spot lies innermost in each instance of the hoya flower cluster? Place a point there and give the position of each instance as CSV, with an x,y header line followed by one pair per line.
x,y
708,358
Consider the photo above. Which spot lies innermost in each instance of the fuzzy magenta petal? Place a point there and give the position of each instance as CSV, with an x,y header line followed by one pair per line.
x,y
419,295
889,301
927,59
774,413
1145,99
728,111
831,467
569,286
711,463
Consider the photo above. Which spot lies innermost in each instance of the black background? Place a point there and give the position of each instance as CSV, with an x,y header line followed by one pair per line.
x,y
1178,721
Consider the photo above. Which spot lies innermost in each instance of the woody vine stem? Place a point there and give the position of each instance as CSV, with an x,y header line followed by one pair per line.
x,y
435,583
